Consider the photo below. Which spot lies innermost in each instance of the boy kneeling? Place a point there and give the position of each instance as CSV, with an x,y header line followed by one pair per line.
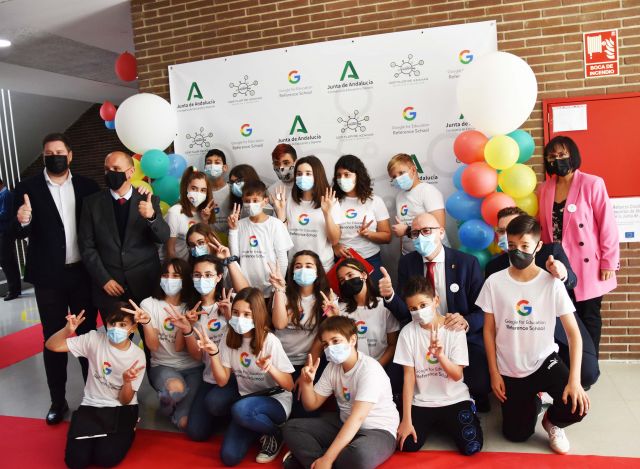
x,y
521,304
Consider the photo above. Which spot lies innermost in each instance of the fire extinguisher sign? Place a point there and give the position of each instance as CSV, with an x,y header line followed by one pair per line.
x,y
601,54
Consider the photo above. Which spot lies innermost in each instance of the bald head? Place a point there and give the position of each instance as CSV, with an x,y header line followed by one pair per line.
x,y
424,220
118,161
427,225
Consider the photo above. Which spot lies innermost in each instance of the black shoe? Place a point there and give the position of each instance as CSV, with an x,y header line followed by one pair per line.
x,y
11,296
56,413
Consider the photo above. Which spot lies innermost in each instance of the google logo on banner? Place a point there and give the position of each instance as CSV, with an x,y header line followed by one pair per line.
x,y
253,241
304,219
167,325
346,394
294,77
351,213
244,360
404,210
362,327
431,359
106,368
214,325
408,113
523,308
465,56
246,130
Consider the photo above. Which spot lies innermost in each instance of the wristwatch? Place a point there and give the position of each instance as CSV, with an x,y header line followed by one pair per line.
x,y
229,260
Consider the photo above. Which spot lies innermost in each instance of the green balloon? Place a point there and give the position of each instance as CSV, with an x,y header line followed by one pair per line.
x,y
167,188
525,144
154,163
483,256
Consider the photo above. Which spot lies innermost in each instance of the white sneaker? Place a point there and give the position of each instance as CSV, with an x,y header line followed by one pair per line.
x,y
270,447
558,441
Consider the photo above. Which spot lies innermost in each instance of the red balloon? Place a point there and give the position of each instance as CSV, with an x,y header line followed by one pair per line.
x,y
469,146
126,67
108,111
493,204
137,156
479,180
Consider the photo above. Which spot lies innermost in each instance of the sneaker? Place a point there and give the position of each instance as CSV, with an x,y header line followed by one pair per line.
x,y
270,447
290,462
558,441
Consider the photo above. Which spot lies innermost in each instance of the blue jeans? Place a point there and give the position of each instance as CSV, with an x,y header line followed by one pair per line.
x,y
176,404
250,418
209,409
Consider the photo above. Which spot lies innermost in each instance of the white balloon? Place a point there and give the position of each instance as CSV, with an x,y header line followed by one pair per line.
x,y
497,92
145,121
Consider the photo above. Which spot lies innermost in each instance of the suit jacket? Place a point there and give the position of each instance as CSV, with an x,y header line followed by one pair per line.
x,y
461,269
134,262
46,251
589,232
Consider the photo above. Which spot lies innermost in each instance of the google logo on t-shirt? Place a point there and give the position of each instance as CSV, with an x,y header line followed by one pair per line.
x,y
294,77
431,359
246,130
523,308
106,368
244,360
408,113
253,241
404,210
167,325
214,325
304,219
346,394
351,213
362,327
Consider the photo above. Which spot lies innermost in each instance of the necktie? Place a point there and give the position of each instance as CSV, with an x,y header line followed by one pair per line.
x,y
431,275
122,201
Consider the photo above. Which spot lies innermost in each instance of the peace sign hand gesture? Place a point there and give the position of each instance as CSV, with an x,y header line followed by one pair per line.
x,y
329,306
328,200
132,372
145,208
364,228
205,213
139,315
275,277
435,347
218,249
264,363
194,313
233,218
224,304
73,321
309,371
204,342
178,320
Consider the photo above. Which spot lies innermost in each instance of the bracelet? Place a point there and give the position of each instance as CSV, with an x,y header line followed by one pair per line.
x,y
145,323
214,354
188,334
279,290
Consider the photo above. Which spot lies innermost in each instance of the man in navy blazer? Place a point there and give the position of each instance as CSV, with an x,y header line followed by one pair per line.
x,y
458,279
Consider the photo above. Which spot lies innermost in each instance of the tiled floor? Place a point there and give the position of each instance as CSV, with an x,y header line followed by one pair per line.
x,y
612,428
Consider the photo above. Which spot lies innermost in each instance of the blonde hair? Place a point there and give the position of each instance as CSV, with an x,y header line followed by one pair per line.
x,y
400,158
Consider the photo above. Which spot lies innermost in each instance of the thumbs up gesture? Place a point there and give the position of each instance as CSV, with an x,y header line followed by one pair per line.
x,y
24,212
556,268
384,285
145,208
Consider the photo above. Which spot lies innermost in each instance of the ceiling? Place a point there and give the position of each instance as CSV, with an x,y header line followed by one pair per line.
x,y
66,48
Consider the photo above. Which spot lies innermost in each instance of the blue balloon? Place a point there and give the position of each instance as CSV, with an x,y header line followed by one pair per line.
x,y
457,177
462,206
177,165
476,234
111,125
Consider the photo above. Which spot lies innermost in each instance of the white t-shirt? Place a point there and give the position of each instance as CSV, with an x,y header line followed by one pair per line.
x,y
287,188
409,204
216,326
179,224
106,366
433,387
308,230
249,376
525,316
354,212
257,244
373,326
297,340
365,382
166,354
221,208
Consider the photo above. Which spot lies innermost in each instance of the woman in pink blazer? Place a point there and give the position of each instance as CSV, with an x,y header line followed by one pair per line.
x,y
575,211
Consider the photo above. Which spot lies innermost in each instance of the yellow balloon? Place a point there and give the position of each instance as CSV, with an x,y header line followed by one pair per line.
x,y
494,249
501,152
164,207
528,203
517,181
138,183
137,174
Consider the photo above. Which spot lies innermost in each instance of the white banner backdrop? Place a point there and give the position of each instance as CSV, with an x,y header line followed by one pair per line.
x,y
372,96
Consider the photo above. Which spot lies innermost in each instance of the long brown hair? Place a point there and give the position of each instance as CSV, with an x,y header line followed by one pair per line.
x,y
261,320
189,175
320,183
371,299
205,230
294,299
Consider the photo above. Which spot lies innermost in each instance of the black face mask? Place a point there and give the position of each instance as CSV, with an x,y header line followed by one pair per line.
x,y
115,179
520,259
563,167
56,164
351,287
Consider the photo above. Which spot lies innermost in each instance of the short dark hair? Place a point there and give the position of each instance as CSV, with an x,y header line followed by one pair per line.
x,y
569,144
524,224
57,137
117,315
283,149
343,325
254,188
508,211
418,285
216,152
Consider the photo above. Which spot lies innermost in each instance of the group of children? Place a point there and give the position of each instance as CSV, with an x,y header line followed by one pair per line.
x,y
243,311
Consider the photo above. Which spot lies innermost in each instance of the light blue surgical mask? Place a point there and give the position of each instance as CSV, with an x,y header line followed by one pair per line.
x,y
255,208
213,170
241,325
117,335
305,276
204,285
404,182
304,183
338,353
503,243
199,250
236,188
425,245
346,184
171,286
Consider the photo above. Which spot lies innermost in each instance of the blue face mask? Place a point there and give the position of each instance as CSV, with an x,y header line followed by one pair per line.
x,y
503,243
304,183
425,245
337,353
404,182
305,276
117,335
236,188
199,250
203,285
171,286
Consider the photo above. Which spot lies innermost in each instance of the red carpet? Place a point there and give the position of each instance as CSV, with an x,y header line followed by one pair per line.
x,y
30,443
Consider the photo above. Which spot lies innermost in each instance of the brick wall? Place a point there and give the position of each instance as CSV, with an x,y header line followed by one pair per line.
x,y
546,33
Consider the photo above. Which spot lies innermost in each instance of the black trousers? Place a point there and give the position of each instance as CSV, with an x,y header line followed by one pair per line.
x,y
520,410
9,263
476,375
590,370
459,421
589,312
72,294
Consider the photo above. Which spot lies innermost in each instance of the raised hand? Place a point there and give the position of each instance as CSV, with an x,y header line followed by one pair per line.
x,y
224,304
139,315
364,228
435,347
309,371
328,200
132,372
143,191
24,212
329,306
556,268
178,320
113,288
218,249
341,250
205,213
194,313
145,208
234,216
400,228
264,363
73,321
279,201
384,284
204,342
275,277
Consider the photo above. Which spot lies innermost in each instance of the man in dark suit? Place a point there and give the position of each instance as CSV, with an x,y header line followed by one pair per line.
x,y
553,259
457,279
47,208
119,229
8,258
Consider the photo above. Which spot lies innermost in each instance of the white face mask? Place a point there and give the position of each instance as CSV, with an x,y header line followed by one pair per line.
x,y
196,198
255,208
338,353
346,184
171,286
241,325
424,315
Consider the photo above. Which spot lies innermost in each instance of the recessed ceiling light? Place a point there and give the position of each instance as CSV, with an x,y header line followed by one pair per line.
x,y
5,43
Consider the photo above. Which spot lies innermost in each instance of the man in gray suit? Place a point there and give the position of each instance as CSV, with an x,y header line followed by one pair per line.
x,y
119,229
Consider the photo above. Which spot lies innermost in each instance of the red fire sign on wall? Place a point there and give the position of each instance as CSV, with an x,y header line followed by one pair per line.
x,y
601,54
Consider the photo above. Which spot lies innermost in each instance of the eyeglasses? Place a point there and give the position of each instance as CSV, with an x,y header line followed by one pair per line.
x,y
557,156
501,231
237,180
426,231
206,275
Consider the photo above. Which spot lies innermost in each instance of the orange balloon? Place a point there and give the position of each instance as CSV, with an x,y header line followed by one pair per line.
x,y
137,156
492,204
479,180
469,146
